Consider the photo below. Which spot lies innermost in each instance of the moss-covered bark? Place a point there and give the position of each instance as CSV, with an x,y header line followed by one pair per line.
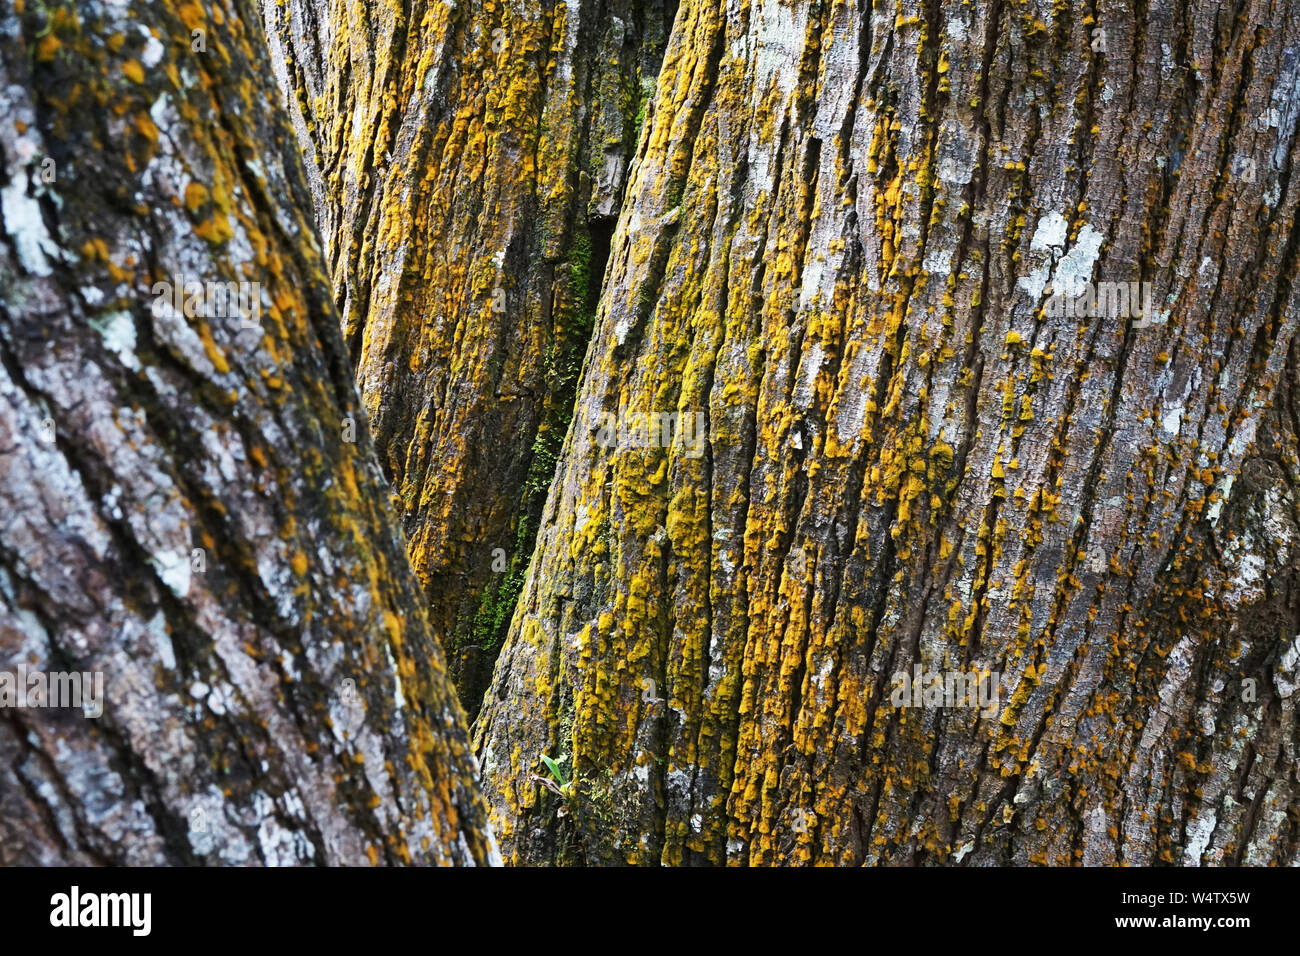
x,y
190,503
838,246
467,161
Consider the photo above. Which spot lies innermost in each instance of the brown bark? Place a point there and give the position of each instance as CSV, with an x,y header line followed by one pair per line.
x,y
838,246
189,506
467,162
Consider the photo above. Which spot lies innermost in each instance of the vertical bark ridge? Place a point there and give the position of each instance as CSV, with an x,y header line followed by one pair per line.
x,y
191,504
839,244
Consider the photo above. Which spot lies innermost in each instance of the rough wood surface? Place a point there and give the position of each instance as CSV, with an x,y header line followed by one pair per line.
x,y
467,161
132,437
837,245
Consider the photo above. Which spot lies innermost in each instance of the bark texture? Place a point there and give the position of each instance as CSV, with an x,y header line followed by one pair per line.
x,y
190,507
468,161
837,245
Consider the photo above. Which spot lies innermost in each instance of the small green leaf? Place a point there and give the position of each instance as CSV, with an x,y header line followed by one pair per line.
x,y
554,768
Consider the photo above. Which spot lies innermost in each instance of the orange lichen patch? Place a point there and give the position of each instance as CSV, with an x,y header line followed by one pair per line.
x,y
192,15
96,250
196,195
145,126
216,230
48,46
210,348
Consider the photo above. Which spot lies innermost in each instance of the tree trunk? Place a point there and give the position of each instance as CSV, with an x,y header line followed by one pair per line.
x,y
467,163
191,503
845,245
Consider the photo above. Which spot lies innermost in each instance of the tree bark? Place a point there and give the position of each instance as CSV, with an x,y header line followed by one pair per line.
x,y
838,246
190,506
467,162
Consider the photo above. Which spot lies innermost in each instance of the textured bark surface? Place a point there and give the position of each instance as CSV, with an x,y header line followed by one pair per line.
x,y
467,162
132,436
836,246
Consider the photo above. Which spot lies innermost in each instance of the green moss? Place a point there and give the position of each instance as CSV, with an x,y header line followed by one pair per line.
x,y
580,274
573,323
639,123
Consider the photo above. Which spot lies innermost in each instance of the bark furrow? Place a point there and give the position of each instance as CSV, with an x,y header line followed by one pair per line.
x,y
467,163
